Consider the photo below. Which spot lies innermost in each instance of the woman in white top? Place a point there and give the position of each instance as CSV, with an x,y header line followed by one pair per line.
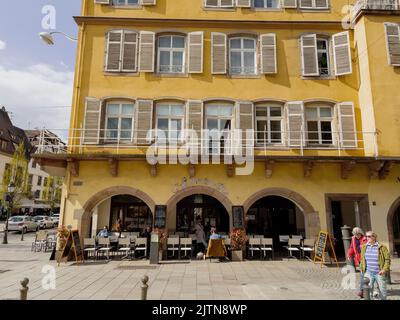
x,y
200,235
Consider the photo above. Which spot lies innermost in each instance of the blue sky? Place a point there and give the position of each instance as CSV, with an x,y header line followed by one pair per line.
x,y
35,77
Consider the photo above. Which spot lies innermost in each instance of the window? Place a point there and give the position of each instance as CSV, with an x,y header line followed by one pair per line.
x,y
39,181
119,122
266,4
37,194
319,125
169,121
126,2
3,144
242,56
314,4
30,179
323,56
269,123
219,119
219,3
33,164
45,182
171,54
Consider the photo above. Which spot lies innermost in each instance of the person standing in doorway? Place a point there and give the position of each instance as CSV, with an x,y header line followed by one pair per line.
x,y
375,264
354,254
201,243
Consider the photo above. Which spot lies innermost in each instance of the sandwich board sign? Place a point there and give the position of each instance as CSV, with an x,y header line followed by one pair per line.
x,y
324,244
72,249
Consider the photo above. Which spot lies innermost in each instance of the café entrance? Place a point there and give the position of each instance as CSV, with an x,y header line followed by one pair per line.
x,y
209,209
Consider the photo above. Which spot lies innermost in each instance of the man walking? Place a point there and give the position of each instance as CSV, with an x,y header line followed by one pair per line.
x,y
375,263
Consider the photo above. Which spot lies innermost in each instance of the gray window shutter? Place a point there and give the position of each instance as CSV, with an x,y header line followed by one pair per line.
x,y
243,3
306,4
129,52
146,51
102,1
113,56
322,4
218,53
268,53
342,53
295,123
144,120
211,3
392,31
196,40
309,56
245,121
347,125
194,116
91,126
149,2
289,3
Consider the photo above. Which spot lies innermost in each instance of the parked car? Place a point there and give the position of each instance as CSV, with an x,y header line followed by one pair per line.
x,y
56,219
44,221
19,223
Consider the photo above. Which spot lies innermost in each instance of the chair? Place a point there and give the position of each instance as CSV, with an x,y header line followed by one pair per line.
x,y
267,245
216,249
293,246
180,234
124,246
297,237
51,242
135,234
141,245
89,246
125,234
40,241
307,246
173,245
284,238
254,245
174,236
104,246
186,245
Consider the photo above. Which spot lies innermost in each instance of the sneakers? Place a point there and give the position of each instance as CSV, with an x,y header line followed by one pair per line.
x,y
360,294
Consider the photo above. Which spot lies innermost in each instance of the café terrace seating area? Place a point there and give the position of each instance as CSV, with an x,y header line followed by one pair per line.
x,y
131,246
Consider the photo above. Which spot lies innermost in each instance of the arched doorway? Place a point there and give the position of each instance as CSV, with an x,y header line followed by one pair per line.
x,y
393,222
272,216
208,208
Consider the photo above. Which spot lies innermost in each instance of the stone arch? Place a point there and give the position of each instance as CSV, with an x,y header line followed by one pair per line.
x,y
312,221
97,198
392,211
186,192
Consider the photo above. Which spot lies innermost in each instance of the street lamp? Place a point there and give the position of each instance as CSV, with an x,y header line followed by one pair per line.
x,y
48,38
9,199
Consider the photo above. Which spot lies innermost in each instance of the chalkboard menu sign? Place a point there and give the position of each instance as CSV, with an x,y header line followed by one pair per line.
x,y
238,217
160,217
72,249
324,242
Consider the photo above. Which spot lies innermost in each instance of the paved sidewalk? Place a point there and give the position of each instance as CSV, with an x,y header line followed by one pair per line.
x,y
174,279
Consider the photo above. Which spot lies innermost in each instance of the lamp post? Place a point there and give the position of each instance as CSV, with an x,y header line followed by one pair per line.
x,y
48,38
9,199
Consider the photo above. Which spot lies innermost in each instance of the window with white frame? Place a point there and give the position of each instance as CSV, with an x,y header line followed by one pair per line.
x,y
126,2
314,4
266,4
171,54
323,56
242,56
119,121
219,118
319,125
169,120
269,124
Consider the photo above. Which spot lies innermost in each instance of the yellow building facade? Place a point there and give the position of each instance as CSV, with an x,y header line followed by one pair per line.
x,y
313,84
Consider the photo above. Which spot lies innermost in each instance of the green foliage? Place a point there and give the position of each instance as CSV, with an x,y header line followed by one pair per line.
x,y
52,191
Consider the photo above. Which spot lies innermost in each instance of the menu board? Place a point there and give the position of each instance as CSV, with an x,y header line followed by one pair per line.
x,y
77,243
238,217
160,217
323,241
72,249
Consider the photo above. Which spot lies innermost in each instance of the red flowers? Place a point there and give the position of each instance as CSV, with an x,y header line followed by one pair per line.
x,y
238,239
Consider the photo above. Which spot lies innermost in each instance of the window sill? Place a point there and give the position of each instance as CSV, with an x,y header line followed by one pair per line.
x,y
240,76
121,74
231,9
266,9
134,7
171,75
324,10
318,77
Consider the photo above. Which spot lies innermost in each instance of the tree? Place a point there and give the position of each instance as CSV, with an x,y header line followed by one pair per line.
x,y
17,172
52,192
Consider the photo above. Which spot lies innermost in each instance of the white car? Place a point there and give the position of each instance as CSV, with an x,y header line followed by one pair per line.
x,y
19,223
44,222
55,218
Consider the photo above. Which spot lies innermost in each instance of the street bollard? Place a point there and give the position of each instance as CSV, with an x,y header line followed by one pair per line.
x,y
24,290
22,234
144,287
346,237
366,289
388,278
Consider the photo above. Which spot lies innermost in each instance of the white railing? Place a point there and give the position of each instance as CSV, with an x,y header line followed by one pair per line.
x,y
386,5
211,142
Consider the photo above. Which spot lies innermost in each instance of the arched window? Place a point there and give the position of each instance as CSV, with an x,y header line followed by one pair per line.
x,y
242,56
119,121
171,54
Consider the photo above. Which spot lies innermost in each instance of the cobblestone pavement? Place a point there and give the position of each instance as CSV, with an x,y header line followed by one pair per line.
x,y
202,280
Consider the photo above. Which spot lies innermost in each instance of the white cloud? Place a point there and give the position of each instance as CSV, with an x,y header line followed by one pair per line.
x,y
2,45
32,93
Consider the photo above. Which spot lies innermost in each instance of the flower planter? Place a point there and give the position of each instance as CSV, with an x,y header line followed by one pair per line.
x,y
237,255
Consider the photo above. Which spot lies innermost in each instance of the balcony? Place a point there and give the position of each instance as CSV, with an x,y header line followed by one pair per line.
x,y
380,6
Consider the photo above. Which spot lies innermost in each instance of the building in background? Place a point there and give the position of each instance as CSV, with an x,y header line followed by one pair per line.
x,y
316,81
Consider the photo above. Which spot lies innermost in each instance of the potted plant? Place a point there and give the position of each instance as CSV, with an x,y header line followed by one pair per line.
x,y
238,243
62,236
